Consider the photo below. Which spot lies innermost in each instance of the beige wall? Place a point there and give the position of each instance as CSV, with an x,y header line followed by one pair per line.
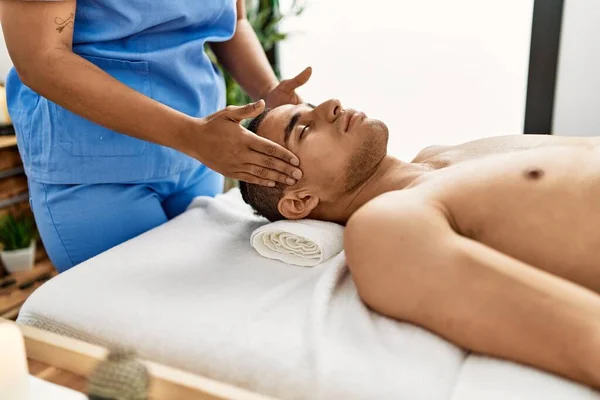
x,y
435,71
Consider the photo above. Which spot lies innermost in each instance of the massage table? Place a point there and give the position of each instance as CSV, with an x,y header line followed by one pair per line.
x,y
61,368
194,295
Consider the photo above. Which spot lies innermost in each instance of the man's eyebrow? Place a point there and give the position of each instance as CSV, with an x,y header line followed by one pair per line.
x,y
290,126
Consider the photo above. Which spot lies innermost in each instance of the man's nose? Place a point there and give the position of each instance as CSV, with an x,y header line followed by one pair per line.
x,y
330,110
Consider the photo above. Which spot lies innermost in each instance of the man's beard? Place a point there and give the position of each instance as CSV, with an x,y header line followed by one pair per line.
x,y
364,161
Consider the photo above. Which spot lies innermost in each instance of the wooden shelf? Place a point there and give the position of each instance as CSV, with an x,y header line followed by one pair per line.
x,y
13,297
8,141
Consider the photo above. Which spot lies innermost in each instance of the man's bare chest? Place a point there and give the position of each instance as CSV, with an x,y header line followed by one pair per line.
x,y
541,206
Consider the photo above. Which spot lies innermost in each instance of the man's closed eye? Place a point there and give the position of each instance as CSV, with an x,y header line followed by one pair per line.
x,y
304,130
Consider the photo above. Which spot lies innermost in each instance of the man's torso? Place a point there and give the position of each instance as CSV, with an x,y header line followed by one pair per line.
x,y
537,200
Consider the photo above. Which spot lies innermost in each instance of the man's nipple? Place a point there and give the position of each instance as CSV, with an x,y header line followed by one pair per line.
x,y
534,173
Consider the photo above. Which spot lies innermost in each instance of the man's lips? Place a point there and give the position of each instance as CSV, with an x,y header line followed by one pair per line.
x,y
351,118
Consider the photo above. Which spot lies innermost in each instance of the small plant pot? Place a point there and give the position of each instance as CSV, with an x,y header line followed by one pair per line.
x,y
19,260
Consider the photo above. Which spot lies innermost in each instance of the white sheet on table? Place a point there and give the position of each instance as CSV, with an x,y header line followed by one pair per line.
x,y
193,294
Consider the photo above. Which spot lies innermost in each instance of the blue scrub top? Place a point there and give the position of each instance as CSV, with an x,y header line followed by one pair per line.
x,y
155,47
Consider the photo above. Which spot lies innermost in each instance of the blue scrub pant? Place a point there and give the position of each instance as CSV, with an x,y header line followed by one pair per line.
x,y
77,222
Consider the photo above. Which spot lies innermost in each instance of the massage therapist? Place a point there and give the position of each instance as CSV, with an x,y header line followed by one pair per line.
x,y
120,114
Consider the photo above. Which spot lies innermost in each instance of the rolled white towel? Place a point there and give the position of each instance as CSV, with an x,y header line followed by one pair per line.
x,y
305,243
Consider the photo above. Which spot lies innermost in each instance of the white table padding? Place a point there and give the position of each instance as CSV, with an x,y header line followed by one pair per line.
x,y
193,294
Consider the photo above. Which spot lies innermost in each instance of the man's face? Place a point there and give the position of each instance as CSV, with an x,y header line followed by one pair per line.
x,y
338,148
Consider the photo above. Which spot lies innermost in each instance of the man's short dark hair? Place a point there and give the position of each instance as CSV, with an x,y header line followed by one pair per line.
x,y
263,199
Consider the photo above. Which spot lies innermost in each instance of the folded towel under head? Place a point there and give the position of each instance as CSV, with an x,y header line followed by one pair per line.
x,y
305,243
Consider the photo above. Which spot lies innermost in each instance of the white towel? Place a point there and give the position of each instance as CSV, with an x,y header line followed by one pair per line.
x,y
305,243
193,294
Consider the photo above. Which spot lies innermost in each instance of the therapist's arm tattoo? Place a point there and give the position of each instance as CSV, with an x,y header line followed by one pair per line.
x,y
64,23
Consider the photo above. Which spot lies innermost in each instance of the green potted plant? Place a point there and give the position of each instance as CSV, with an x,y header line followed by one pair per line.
x,y
17,241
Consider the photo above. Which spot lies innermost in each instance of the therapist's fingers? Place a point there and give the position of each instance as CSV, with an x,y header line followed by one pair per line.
x,y
272,149
289,85
255,180
270,175
239,113
291,173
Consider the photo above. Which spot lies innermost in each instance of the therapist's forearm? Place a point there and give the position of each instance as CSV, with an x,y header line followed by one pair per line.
x,y
244,58
84,89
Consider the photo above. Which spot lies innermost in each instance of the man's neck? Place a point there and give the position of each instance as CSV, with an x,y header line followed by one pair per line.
x,y
390,174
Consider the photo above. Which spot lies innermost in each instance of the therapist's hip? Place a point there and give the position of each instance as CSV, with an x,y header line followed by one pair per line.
x,y
78,222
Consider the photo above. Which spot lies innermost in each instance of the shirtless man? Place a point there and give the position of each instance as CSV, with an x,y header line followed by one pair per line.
x,y
493,244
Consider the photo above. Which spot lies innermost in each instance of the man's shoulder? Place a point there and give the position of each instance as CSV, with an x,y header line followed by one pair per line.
x,y
394,221
369,227
388,210
382,204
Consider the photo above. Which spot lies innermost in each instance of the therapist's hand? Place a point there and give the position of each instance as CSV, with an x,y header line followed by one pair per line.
x,y
285,92
223,145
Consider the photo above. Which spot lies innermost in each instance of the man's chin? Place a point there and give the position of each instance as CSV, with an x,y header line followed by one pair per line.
x,y
366,157
379,137
377,128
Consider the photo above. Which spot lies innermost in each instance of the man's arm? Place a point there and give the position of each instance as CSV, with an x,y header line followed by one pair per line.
x,y
39,38
244,58
409,264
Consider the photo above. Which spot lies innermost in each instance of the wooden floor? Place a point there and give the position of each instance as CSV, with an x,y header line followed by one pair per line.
x,y
57,376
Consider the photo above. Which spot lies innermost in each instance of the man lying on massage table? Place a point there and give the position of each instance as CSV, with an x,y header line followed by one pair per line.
x,y
492,244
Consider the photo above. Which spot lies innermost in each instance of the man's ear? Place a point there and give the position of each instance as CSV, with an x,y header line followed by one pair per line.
x,y
297,205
